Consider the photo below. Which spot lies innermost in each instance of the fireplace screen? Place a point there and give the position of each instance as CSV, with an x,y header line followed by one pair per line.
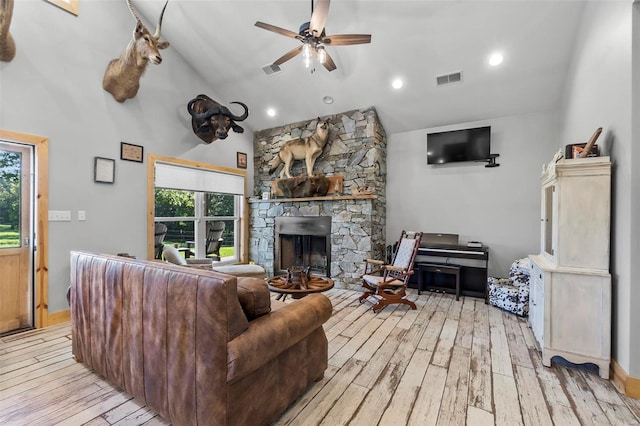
x,y
303,242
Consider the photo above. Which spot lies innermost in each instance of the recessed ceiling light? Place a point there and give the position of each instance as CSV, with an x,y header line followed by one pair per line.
x,y
327,100
397,83
495,59
271,112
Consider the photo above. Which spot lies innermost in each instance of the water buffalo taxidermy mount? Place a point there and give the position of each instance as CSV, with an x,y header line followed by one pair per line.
x,y
122,77
211,120
7,45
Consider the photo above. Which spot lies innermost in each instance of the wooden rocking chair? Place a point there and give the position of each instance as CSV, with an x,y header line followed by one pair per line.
x,y
388,283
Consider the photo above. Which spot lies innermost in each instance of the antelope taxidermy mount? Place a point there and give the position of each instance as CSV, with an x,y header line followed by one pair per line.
x,y
122,77
7,45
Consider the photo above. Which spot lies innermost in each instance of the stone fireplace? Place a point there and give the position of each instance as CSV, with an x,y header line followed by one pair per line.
x,y
355,217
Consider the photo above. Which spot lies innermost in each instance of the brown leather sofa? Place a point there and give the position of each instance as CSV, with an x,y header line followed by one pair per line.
x,y
198,347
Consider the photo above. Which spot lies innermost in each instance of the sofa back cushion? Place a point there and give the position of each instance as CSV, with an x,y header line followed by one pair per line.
x,y
254,297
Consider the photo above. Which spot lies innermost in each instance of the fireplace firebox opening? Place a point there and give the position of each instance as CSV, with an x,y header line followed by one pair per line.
x,y
303,242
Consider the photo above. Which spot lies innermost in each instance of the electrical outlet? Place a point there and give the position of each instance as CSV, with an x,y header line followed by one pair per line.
x,y
59,216
82,215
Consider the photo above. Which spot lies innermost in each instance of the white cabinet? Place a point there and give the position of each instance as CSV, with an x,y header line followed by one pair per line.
x,y
570,298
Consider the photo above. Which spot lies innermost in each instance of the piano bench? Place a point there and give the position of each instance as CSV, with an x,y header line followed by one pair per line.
x,y
438,269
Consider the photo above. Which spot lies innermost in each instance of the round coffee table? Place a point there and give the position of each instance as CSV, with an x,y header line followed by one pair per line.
x,y
283,285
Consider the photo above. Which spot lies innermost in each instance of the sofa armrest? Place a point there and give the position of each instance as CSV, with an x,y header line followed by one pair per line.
x,y
271,334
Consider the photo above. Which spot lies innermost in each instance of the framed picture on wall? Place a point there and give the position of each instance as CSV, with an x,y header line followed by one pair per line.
x,y
131,152
104,170
241,160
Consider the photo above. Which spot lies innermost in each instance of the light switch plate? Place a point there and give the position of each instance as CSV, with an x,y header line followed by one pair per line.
x,y
82,215
59,216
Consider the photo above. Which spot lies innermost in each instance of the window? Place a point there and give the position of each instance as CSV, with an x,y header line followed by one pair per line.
x,y
202,208
10,173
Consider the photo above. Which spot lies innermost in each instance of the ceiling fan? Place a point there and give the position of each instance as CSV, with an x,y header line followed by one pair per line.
x,y
314,39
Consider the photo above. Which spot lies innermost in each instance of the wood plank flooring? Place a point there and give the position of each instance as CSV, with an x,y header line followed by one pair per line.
x,y
447,363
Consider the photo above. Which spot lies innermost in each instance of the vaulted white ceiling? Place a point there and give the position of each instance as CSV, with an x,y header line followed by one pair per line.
x,y
414,40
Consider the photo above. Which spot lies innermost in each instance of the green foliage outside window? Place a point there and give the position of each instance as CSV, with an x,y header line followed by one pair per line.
x,y
10,199
174,203
219,204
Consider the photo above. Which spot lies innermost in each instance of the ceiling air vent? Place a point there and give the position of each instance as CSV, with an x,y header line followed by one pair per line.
x,y
454,77
271,69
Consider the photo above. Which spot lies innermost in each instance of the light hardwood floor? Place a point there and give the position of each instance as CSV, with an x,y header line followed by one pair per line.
x,y
446,363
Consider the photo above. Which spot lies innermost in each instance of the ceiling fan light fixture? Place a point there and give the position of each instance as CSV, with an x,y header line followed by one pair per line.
x,y
321,53
313,37
306,54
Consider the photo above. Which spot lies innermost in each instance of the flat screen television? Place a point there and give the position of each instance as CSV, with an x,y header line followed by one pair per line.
x,y
459,145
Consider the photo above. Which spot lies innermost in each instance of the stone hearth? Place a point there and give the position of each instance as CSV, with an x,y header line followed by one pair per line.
x,y
356,151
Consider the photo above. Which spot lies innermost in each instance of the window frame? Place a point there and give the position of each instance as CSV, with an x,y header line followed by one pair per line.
x,y
241,212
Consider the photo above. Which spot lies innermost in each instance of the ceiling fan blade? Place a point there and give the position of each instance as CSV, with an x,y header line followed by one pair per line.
x,y
319,17
278,30
290,54
328,63
346,39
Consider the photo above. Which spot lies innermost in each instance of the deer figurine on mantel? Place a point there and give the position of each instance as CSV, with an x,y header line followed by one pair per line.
x,y
122,77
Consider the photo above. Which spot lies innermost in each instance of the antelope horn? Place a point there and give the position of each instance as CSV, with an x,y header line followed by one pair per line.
x,y
157,34
133,10
243,116
202,116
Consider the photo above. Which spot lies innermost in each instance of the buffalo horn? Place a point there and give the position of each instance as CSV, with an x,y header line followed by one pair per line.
x,y
202,116
241,117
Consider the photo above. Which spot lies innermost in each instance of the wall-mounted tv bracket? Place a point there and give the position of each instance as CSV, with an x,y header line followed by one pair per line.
x,y
491,161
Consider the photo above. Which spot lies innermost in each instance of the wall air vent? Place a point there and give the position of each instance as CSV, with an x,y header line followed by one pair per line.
x,y
455,77
271,69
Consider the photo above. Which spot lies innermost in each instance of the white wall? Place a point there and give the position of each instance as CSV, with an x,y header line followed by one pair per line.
x,y
53,88
498,206
598,93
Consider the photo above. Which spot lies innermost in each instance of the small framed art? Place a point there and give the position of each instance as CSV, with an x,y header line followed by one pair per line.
x,y
241,160
104,170
131,152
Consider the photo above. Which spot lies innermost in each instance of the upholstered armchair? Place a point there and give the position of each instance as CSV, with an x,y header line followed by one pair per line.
x,y
512,294
173,255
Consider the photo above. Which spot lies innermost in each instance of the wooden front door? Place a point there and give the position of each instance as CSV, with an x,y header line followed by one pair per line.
x,y
16,231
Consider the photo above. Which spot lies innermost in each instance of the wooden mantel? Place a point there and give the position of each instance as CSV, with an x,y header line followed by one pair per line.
x,y
324,198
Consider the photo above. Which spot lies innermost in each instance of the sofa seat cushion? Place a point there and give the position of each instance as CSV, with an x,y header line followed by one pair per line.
x,y
255,271
254,297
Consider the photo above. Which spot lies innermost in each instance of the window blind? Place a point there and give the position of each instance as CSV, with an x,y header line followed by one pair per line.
x,y
171,176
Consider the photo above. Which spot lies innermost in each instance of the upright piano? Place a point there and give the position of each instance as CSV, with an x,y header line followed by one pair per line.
x,y
444,250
